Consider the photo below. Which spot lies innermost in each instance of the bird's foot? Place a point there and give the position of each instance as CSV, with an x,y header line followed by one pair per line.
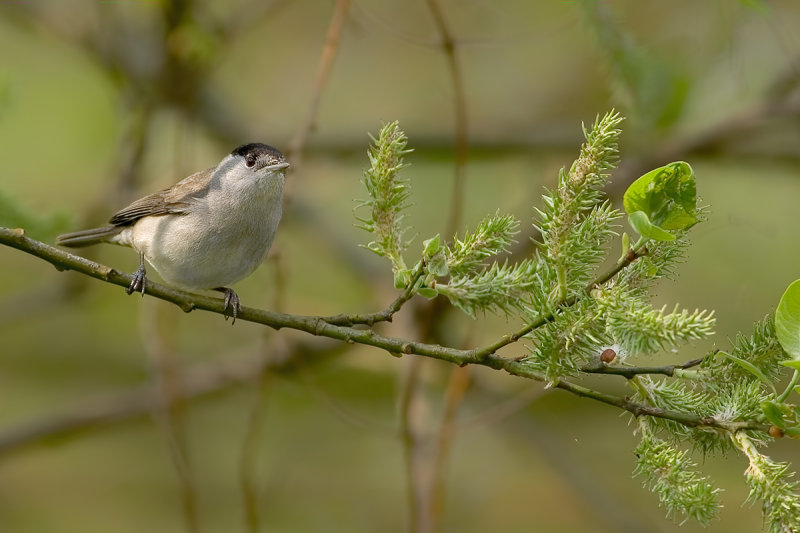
x,y
231,306
138,282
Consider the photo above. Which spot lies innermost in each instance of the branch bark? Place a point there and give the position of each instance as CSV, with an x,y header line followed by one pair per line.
x,y
629,372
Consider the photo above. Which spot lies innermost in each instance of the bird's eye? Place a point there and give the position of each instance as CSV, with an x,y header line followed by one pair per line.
x,y
250,160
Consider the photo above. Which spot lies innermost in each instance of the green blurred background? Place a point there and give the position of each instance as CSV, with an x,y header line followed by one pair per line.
x,y
101,101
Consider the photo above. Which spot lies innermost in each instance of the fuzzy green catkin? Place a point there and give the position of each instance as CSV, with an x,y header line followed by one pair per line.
x,y
761,349
770,483
492,237
569,214
502,287
388,194
672,476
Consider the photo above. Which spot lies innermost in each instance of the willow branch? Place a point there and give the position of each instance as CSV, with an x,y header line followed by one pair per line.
x,y
188,301
640,409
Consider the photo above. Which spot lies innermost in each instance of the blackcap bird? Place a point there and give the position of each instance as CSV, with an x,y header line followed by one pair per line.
x,y
207,231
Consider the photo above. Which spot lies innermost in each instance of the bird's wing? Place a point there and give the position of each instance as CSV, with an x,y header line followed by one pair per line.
x,y
174,200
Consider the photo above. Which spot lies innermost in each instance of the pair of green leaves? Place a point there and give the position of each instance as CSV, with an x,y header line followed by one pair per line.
x,y
437,266
662,201
434,257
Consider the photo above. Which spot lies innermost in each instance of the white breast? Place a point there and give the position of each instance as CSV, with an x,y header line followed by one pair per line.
x,y
221,240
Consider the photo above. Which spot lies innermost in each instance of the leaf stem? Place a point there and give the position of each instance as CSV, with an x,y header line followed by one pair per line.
x,y
790,387
638,245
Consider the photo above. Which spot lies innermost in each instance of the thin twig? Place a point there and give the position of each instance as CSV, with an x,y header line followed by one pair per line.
x,y
631,371
431,509
639,409
189,301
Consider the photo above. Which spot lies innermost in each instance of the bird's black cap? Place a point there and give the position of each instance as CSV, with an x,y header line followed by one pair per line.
x,y
258,155
258,150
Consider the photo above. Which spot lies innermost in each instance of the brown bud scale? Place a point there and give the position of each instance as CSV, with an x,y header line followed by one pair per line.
x,y
775,432
608,355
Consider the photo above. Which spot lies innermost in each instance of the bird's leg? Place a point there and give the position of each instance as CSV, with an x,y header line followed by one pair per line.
x,y
231,303
139,280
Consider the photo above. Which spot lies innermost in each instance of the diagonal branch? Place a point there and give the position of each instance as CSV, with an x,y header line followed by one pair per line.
x,y
313,325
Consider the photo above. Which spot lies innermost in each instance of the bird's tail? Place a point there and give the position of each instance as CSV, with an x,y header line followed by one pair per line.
x,y
88,237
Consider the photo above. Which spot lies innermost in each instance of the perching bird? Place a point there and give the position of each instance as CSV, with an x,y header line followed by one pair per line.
x,y
207,231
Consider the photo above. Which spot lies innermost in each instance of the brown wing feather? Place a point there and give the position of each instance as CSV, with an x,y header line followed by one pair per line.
x,y
174,200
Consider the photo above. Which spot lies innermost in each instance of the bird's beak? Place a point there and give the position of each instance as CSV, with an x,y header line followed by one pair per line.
x,y
276,166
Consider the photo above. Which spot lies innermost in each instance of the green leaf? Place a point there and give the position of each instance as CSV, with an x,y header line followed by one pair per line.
x,y
427,292
432,246
437,265
787,324
791,432
401,278
772,412
750,367
666,199
640,222
435,258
